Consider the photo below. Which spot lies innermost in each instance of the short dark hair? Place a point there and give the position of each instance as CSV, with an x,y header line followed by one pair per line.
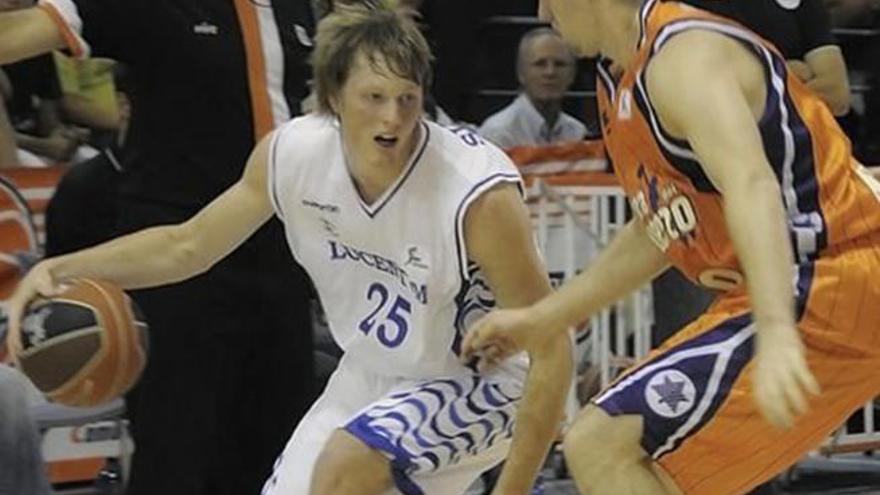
x,y
381,31
526,42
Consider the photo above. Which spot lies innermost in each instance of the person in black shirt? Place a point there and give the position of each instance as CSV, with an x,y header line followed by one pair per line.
x,y
801,30
230,370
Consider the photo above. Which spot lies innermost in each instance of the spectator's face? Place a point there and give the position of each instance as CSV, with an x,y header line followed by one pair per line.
x,y
546,69
576,21
379,112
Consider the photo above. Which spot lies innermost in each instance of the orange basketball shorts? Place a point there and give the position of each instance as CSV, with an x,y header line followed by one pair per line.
x,y
694,393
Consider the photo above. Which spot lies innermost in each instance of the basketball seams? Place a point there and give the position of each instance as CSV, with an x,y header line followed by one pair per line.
x,y
134,358
120,338
139,352
75,382
97,366
61,339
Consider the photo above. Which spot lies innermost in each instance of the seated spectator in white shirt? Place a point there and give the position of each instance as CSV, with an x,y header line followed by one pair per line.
x,y
545,69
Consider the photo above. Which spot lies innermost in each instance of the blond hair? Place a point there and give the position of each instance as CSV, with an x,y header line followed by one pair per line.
x,y
380,30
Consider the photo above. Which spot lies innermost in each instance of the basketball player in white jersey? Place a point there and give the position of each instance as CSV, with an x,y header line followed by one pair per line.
x,y
409,231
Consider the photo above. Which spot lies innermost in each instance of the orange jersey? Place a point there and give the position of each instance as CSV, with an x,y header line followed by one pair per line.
x,y
828,197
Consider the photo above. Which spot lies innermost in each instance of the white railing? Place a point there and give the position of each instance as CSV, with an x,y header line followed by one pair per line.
x,y
572,222
860,434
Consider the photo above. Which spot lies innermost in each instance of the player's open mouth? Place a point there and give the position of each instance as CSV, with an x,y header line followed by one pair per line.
x,y
385,141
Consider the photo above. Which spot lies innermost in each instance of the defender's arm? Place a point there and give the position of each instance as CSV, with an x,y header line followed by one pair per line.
x,y
630,261
499,238
728,143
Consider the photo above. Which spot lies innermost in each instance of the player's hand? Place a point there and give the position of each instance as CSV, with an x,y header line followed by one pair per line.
x,y
800,69
499,335
783,382
38,282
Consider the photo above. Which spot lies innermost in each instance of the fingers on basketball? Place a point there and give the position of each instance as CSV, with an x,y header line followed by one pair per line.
x,y
85,346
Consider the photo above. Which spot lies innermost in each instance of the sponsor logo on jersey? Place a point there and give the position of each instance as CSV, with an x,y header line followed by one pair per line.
x,y
323,207
342,252
329,227
670,393
415,258
668,214
206,28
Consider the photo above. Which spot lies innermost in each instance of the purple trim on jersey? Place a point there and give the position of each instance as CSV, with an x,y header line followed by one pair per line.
x,y
803,170
688,384
644,13
786,137
470,304
605,77
372,211
475,192
676,151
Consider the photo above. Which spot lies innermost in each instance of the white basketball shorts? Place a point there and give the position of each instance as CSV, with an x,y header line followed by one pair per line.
x,y
439,435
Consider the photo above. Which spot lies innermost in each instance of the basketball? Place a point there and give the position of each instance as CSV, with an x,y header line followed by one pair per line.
x,y
84,347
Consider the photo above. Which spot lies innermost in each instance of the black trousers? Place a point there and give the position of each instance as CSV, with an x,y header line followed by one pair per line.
x,y
230,368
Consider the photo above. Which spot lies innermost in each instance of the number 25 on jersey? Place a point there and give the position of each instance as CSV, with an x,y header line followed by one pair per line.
x,y
393,327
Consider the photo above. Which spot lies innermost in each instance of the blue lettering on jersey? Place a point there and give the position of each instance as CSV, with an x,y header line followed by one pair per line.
x,y
339,252
467,134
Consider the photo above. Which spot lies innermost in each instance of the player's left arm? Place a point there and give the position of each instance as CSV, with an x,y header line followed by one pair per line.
x,y
701,68
499,238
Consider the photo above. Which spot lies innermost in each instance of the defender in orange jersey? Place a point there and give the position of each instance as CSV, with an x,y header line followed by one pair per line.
x,y
739,176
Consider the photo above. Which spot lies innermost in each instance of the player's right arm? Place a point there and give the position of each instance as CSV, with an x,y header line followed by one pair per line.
x,y
159,255
26,33
630,261
731,152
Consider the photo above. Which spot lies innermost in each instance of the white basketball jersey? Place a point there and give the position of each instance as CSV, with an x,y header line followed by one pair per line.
x,y
393,276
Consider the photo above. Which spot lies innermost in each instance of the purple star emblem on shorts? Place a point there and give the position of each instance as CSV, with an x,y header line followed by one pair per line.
x,y
671,393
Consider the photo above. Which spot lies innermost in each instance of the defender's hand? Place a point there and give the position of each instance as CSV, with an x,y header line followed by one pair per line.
x,y
782,380
38,282
499,335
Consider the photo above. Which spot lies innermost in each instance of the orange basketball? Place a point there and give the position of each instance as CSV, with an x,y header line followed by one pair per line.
x,y
85,346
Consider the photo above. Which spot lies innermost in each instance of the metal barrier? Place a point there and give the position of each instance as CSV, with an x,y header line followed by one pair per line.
x,y
861,433
573,217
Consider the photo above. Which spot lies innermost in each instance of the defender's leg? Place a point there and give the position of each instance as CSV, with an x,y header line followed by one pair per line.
x,y
605,456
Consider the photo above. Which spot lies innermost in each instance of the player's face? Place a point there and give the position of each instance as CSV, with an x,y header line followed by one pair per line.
x,y
576,21
547,69
379,111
